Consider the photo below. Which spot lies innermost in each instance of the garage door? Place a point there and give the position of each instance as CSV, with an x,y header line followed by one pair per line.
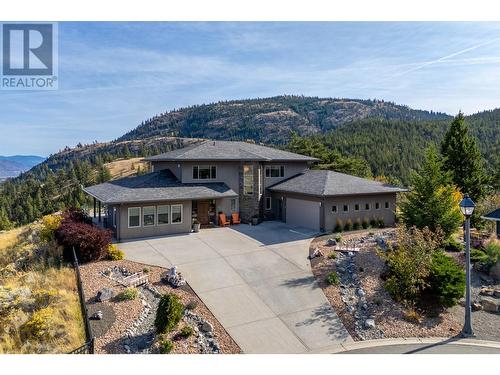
x,y
302,213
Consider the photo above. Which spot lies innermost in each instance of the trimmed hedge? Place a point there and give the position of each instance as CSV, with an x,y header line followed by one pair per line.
x,y
169,313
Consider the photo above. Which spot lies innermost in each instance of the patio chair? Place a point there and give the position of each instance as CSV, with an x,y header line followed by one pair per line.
x,y
236,218
223,221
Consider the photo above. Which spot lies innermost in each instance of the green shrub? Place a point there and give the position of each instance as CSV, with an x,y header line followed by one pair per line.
x,y
338,226
338,238
365,224
446,280
114,253
373,223
332,255
348,225
357,224
128,294
486,257
186,331
380,223
166,346
40,325
49,225
453,245
169,313
332,278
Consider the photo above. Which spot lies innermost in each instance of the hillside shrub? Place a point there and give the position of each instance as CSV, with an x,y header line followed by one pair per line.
x,y
169,313
338,226
76,215
348,225
128,294
49,225
114,253
446,281
40,325
90,243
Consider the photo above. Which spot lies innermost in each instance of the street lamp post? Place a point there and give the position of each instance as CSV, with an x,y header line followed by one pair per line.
x,y
467,208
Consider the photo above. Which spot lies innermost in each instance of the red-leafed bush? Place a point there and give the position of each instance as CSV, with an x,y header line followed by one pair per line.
x,y
76,215
90,243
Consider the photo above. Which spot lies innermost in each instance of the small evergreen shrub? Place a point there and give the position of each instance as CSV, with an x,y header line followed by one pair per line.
x,y
357,224
332,278
186,331
348,225
446,281
128,294
373,223
166,346
332,255
453,245
338,238
114,253
486,257
338,226
380,223
169,313
365,224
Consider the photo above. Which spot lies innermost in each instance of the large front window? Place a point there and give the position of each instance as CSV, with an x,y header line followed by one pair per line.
x,y
148,216
204,172
134,217
248,179
163,214
176,213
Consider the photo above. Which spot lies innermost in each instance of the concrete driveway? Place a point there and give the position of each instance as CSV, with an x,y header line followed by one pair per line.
x,y
256,280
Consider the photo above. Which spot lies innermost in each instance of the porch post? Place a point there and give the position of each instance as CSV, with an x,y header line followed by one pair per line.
x,y
95,207
99,211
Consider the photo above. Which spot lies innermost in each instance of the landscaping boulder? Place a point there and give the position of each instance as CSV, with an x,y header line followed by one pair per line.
x,y
207,327
490,304
495,271
105,294
369,323
331,242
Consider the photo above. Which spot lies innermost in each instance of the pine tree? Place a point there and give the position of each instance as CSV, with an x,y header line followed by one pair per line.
x,y
463,160
4,220
433,200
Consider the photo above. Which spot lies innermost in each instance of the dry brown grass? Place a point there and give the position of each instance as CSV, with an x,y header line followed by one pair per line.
x,y
39,304
125,167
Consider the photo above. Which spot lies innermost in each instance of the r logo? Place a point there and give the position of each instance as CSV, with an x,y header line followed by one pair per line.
x,y
27,49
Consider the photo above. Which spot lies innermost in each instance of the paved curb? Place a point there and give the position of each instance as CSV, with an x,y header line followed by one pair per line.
x,y
410,340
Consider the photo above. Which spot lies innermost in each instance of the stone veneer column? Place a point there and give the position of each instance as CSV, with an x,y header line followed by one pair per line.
x,y
250,205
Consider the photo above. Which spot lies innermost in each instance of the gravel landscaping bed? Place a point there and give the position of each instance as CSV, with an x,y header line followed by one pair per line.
x,y
364,274
127,326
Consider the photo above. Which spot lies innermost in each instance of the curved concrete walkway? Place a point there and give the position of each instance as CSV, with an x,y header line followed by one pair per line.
x,y
258,283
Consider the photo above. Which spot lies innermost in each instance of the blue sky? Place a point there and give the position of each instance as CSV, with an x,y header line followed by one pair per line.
x,y
114,75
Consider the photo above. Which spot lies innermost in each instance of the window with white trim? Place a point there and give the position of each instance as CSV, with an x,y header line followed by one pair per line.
x,y
334,209
148,216
386,204
367,206
248,179
356,207
134,217
268,203
233,205
204,172
377,205
346,208
163,214
275,171
176,212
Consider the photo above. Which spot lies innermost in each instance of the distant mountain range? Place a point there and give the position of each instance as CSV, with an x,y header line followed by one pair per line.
x,y
13,166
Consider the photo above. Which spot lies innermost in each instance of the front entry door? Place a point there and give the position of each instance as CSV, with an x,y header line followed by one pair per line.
x,y
203,212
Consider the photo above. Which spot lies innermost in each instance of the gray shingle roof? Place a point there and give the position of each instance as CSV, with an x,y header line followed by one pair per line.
x,y
494,215
328,183
228,150
156,186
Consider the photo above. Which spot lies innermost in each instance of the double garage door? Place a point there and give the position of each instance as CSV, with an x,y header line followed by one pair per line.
x,y
303,213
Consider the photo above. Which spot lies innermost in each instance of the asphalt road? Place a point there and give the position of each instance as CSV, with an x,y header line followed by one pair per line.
x,y
439,348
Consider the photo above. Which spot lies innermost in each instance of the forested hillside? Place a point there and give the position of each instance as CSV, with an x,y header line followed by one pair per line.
x,y
272,120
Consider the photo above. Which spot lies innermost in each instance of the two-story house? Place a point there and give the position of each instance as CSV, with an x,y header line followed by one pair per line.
x,y
201,180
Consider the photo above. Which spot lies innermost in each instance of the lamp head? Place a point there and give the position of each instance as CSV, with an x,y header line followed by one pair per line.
x,y
467,206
